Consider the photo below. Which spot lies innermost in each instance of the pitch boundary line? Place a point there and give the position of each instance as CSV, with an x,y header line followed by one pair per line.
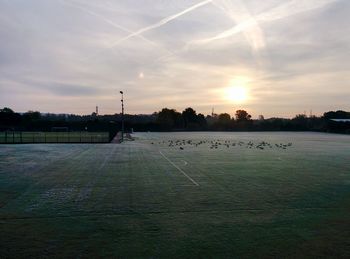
x,y
180,170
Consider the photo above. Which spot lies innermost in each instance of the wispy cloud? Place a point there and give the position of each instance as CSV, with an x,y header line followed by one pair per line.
x,y
282,11
64,89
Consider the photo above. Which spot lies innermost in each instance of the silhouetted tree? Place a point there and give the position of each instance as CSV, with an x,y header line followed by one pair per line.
x,y
242,115
202,122
299,122
9,119
337,115
32,116
224,118
211,119
6,110
223,122
190,118
169,119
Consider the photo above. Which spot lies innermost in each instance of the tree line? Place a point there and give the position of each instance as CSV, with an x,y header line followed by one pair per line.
x,y
171,120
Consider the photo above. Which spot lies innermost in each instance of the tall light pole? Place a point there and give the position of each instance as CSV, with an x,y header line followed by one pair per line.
x,y
122,100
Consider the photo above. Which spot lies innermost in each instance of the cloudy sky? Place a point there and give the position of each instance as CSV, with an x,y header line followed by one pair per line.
x,y
273,57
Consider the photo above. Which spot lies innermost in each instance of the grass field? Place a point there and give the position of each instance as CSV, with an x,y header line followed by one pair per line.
x,y
54,137
183,195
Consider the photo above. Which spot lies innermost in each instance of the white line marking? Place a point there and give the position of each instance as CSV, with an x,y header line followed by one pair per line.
x,y
185,162
107,157
178,168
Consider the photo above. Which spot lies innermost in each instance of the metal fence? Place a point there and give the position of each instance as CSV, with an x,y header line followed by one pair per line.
x,y
14,137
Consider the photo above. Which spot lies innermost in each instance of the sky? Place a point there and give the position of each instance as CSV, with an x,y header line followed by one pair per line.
x,y
275,58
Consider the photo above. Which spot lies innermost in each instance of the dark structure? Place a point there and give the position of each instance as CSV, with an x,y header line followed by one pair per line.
x,y
169,120
122,101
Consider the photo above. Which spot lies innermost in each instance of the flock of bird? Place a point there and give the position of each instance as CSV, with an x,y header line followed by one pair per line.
x,y
215,144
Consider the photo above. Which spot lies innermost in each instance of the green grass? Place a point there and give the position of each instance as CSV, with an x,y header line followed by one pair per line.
x,y
129,201
54,137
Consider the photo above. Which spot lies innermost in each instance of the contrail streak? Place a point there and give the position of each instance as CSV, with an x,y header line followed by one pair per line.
x,y
291,8
114,24
238,12
159,24
163,21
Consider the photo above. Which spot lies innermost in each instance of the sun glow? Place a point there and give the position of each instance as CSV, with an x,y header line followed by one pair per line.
x,y
237,90
236,94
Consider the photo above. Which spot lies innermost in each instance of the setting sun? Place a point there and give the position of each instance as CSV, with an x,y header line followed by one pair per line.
x,y
237,94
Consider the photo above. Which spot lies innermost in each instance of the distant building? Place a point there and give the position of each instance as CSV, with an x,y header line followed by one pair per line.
x,y
339,125
341,120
